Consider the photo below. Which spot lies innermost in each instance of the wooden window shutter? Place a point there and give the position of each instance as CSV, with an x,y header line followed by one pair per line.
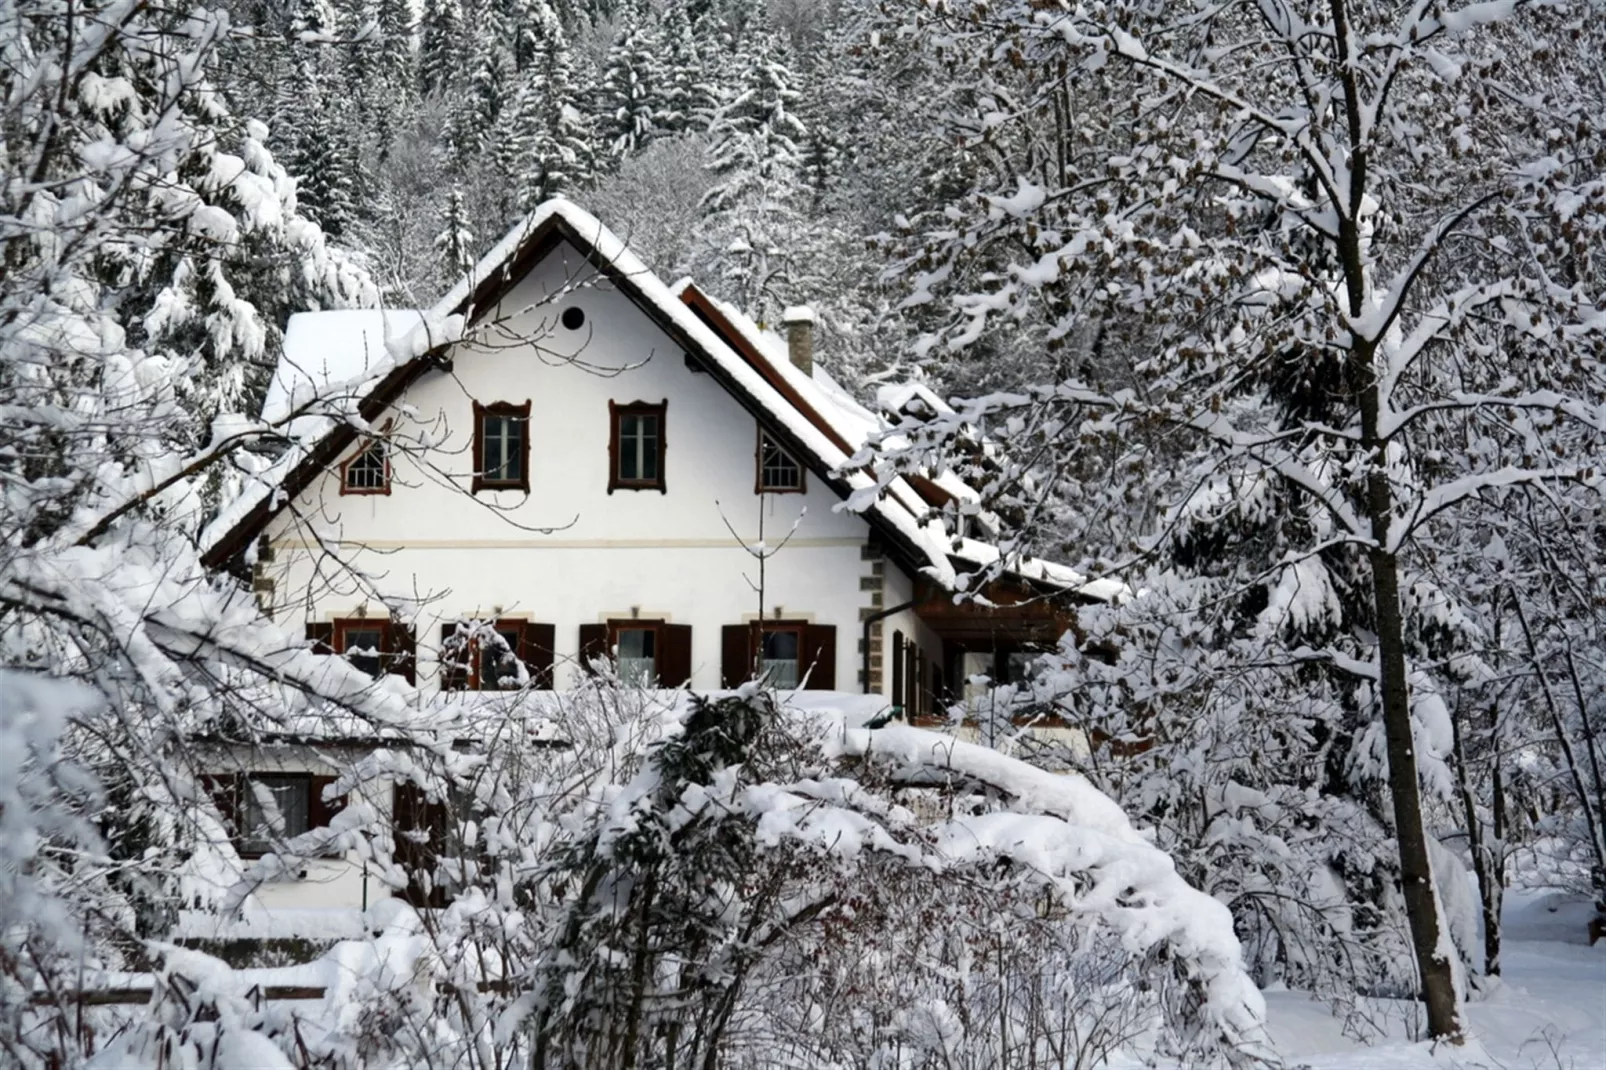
x,y
540,640
674,664
403,651
736,655
224,791
322,635
320,812
453,667
419,827
911,680
897,669
593,644
819,657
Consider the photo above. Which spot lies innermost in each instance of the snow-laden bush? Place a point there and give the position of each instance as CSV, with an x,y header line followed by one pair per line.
x,y
718,881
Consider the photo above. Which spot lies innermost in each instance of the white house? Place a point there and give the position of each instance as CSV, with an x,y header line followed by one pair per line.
x,y
567,459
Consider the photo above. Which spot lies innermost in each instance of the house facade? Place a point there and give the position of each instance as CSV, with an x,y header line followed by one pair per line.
x,y
568,465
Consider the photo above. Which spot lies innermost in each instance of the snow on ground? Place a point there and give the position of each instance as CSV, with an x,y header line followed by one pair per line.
x,y
1548,1011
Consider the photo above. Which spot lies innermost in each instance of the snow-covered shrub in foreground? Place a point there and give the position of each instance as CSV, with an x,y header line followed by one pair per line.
x,y
724,882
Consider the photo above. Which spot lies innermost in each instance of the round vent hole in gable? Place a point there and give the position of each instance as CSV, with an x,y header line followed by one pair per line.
x,y
573,318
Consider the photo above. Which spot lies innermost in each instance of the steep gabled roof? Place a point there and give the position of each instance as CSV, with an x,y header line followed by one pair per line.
x,y
815,427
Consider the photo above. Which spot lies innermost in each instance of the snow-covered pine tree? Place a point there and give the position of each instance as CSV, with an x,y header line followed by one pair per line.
x,y
755,211
688,101
632,92
441,46
556,140
325,164
454,245
476,109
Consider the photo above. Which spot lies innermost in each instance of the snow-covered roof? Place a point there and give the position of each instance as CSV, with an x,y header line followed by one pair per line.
x,y
324,351
389,347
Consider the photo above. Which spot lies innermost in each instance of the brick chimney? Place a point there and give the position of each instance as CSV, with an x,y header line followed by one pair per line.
x,y
799,320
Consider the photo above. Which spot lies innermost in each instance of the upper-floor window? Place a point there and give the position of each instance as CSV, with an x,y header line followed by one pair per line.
x,y
636,446
368,472
502,446
777,471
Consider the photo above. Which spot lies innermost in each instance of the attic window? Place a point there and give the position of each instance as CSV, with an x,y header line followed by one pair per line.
x,y
778,473
502,446
636,446
368,472
573,318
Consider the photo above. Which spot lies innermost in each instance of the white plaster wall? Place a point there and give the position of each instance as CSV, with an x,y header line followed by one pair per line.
x,y
899,588
570,552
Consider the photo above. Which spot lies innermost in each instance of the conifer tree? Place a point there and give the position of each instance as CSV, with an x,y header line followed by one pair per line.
x,y
688,101
454,245
440,48
755,211
632,91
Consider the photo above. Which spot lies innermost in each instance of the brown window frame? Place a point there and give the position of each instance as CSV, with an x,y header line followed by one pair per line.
x,y
346,489
655,626
520,649
799,628
228,794
616,413
397,646
506,410
759,486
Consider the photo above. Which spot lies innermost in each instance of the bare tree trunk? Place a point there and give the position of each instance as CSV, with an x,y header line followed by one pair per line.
x,y
1416,867
1496,894
1489,871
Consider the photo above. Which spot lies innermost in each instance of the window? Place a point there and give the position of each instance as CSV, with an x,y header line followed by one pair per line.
x,y
778,473
376,646
636,446
364,646
368,472
780,657
789,654
486,655
647,653
501,447
638,656
276,808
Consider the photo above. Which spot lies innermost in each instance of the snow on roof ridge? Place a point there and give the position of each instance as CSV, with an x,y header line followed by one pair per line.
x,y
331,348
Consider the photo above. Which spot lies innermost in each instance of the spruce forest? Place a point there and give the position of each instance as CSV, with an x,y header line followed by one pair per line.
x,y
1282,323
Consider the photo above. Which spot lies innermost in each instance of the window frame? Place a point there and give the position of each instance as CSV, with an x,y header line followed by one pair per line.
x,y
473,677
655,626
248,848
796,628
759,486
501,410
616,414
370,446
378,625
